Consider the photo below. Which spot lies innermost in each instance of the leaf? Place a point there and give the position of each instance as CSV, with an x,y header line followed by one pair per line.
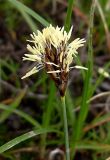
x,y
92,145
21,6
27,117
23,137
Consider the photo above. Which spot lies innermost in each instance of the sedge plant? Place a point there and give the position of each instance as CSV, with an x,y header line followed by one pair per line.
x,y
51,50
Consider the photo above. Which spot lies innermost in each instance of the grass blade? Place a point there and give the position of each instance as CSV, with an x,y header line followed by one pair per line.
x,y
87,85
22,114
19,5
68,16
47,115
22,138
92,145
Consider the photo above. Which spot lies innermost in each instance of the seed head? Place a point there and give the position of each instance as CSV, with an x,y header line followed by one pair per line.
x,y
51,50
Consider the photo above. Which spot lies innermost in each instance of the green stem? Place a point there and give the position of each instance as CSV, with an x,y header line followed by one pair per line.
x,y
68,16
87,86
65,128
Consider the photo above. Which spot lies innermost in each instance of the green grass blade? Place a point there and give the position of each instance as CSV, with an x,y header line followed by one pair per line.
x,y
87,85
26,9
70,107
68,16
78,61
92,145
47,115
22,114
49,106
67,28
23,137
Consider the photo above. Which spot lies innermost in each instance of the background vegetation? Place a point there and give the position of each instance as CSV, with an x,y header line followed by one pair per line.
x,y
31,107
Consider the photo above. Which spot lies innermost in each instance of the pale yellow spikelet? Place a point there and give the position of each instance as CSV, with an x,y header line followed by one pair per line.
x,y
51,50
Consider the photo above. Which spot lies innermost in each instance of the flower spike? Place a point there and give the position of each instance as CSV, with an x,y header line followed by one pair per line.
x,y
51,50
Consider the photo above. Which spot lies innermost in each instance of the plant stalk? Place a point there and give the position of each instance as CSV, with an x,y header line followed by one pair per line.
x,y
68,16
65,128
87,86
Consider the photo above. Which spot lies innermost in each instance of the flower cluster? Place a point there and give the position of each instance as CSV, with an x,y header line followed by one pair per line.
x,y
51,50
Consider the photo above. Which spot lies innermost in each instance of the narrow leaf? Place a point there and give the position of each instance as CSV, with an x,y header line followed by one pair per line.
x,y
18,5
22,114
22,138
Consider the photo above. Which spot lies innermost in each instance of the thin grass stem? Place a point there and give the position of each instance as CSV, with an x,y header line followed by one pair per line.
x,y
65,128
68,16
